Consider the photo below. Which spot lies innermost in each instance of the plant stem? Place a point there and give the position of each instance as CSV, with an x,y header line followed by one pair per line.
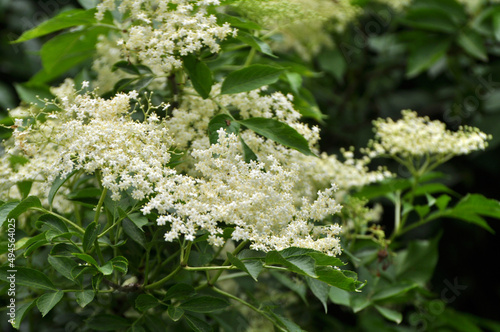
x,y
164,280
226,262
81,230
263,313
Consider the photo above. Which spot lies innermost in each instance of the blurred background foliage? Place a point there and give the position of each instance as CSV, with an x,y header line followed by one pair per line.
x,y
440,58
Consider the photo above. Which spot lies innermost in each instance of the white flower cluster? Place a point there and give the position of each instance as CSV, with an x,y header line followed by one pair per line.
x,y
189,125
158,33
304,25
93,134
255,198
414,136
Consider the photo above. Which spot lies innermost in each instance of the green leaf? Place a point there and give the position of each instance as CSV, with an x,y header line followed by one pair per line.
x,y
472,207
106,269
442,201
496,25
336,278
106,322
91,233
320,290
390,314
222,121
279,132
175,313
58,182
33,93
250,78
430,188
417,263
15,209
145,301
204,304
393,291
294,285
24,188
333,62
134,232
288,324
323,259
87,258
84,297
67,50
120,263
473,44
200,75
339,296
197,324
130,68
424,54
256,43
304,265
252,267
179,291
29,277
63,265
248,154
238,22
138,219
432,19
21,311
47,301
64,20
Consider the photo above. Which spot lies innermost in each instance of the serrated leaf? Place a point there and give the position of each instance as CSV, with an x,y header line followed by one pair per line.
x,y
21,311
252,267
91,233
24,188
200,75
179,291
472,207
390,314
146,301
175,313
303,265
222,121
204,304
64,20
323,259
320,290
136,234
279,132
336,278
106,322
250,78
58,182
29,277
47,301
63,265
84,297
197,324
432,19
238,22
288,324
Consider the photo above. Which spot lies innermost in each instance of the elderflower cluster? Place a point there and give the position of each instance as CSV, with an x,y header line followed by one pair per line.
x,y
189,125
255,198
158,33
414,136
304,25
